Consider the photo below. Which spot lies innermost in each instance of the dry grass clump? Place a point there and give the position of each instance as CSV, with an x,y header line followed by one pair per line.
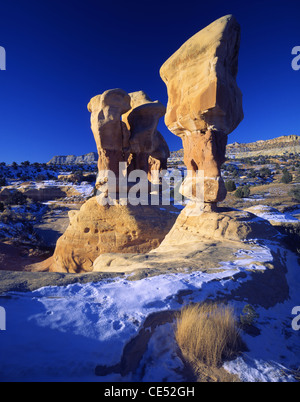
x,y
207,333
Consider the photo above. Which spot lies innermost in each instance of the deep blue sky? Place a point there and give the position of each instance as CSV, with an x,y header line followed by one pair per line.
x,y
62,53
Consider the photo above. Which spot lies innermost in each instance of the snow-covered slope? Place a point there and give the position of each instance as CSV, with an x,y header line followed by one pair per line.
x,y
63,333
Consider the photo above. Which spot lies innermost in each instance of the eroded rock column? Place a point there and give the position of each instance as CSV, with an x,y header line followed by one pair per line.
x,y
142,120
110,133
204,102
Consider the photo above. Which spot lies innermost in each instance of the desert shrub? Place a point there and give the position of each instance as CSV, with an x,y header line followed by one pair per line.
x,y
16,198
291,236
2,181
252,173
91,178
242,192
286,177
230,186
248,316
207,333
40,177
265,172
295,194
235,173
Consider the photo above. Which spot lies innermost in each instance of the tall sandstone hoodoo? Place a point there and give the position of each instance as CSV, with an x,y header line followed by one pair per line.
x,y
204,106
148,148
110,133
205,103
125,130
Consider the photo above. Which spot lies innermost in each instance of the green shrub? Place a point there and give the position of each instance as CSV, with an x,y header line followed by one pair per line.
x,y
265,172
242,192
2,182
295,193
287,177
16,198
252,173
249,316
230,186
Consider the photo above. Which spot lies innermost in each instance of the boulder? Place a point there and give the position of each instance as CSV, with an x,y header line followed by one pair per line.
x,y
97,229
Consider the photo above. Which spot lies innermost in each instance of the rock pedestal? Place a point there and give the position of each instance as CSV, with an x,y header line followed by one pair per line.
x,y
125,130
204,101
110,133
97,229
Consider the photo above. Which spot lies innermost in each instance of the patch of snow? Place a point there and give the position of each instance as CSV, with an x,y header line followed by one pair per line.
x,y
273,215
63,333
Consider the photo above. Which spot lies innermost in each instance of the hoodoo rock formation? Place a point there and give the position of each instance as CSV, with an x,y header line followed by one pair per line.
x,y
149,150
125,130
205,103
204,106
110,133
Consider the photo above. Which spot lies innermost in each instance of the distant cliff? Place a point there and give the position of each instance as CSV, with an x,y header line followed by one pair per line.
x,y
287,144
90,158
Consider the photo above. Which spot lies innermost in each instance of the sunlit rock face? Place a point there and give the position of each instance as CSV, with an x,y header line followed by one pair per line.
x,y
125,130
204,101
110,133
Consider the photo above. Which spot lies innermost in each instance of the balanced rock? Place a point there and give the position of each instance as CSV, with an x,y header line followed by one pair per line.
x,y
204,101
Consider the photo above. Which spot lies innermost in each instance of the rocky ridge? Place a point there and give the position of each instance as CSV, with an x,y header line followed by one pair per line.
x,y
90,158
286,144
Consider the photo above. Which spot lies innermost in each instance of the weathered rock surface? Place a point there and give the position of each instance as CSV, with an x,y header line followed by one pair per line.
x,y
39,193
110,133
196,241
158,159
205,256
226,224
145,141
205,103
286,144
89,159
96,229
132,140
201,81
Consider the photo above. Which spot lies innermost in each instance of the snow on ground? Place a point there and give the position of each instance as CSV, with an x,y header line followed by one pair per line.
x,y
273,215
84,188
63,333
277,347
